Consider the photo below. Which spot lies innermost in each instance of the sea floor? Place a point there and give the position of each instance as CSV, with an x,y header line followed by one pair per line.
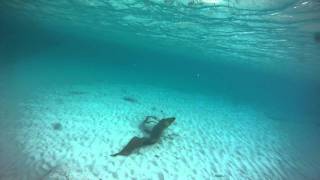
x,y
69,132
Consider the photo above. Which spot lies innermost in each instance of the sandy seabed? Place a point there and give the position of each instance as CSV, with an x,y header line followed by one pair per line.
x,y
69,133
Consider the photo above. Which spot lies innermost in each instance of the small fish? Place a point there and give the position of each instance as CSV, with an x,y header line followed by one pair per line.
x,y
130,99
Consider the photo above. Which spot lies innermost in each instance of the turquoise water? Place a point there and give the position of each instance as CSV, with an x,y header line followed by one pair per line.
x,y
77,78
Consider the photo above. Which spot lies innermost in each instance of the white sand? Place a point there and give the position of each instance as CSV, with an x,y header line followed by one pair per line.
x,y
212,138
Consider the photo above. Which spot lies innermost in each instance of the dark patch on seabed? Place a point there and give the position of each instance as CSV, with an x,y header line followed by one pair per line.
x,y
57,126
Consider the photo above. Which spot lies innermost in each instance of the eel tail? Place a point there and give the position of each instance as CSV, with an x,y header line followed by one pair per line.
x,y
116,154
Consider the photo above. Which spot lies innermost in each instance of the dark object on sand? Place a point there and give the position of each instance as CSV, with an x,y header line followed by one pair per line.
x,y
56,126
130,99
155,134
317,37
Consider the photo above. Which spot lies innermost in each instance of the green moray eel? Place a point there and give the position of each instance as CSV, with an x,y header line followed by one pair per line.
x,y
155,134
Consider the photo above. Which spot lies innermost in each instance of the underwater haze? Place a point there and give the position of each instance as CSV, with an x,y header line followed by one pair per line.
x,y
82,80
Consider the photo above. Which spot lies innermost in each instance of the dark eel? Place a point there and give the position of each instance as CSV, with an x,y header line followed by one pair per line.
x,y
155,134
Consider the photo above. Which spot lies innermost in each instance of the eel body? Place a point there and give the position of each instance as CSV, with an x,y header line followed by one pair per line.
x,y
133,144
137,142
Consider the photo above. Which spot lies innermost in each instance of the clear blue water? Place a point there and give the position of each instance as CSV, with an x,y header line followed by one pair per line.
x,y
262,54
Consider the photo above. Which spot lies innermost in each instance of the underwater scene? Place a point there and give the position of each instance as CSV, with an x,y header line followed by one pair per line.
x,y
160,90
